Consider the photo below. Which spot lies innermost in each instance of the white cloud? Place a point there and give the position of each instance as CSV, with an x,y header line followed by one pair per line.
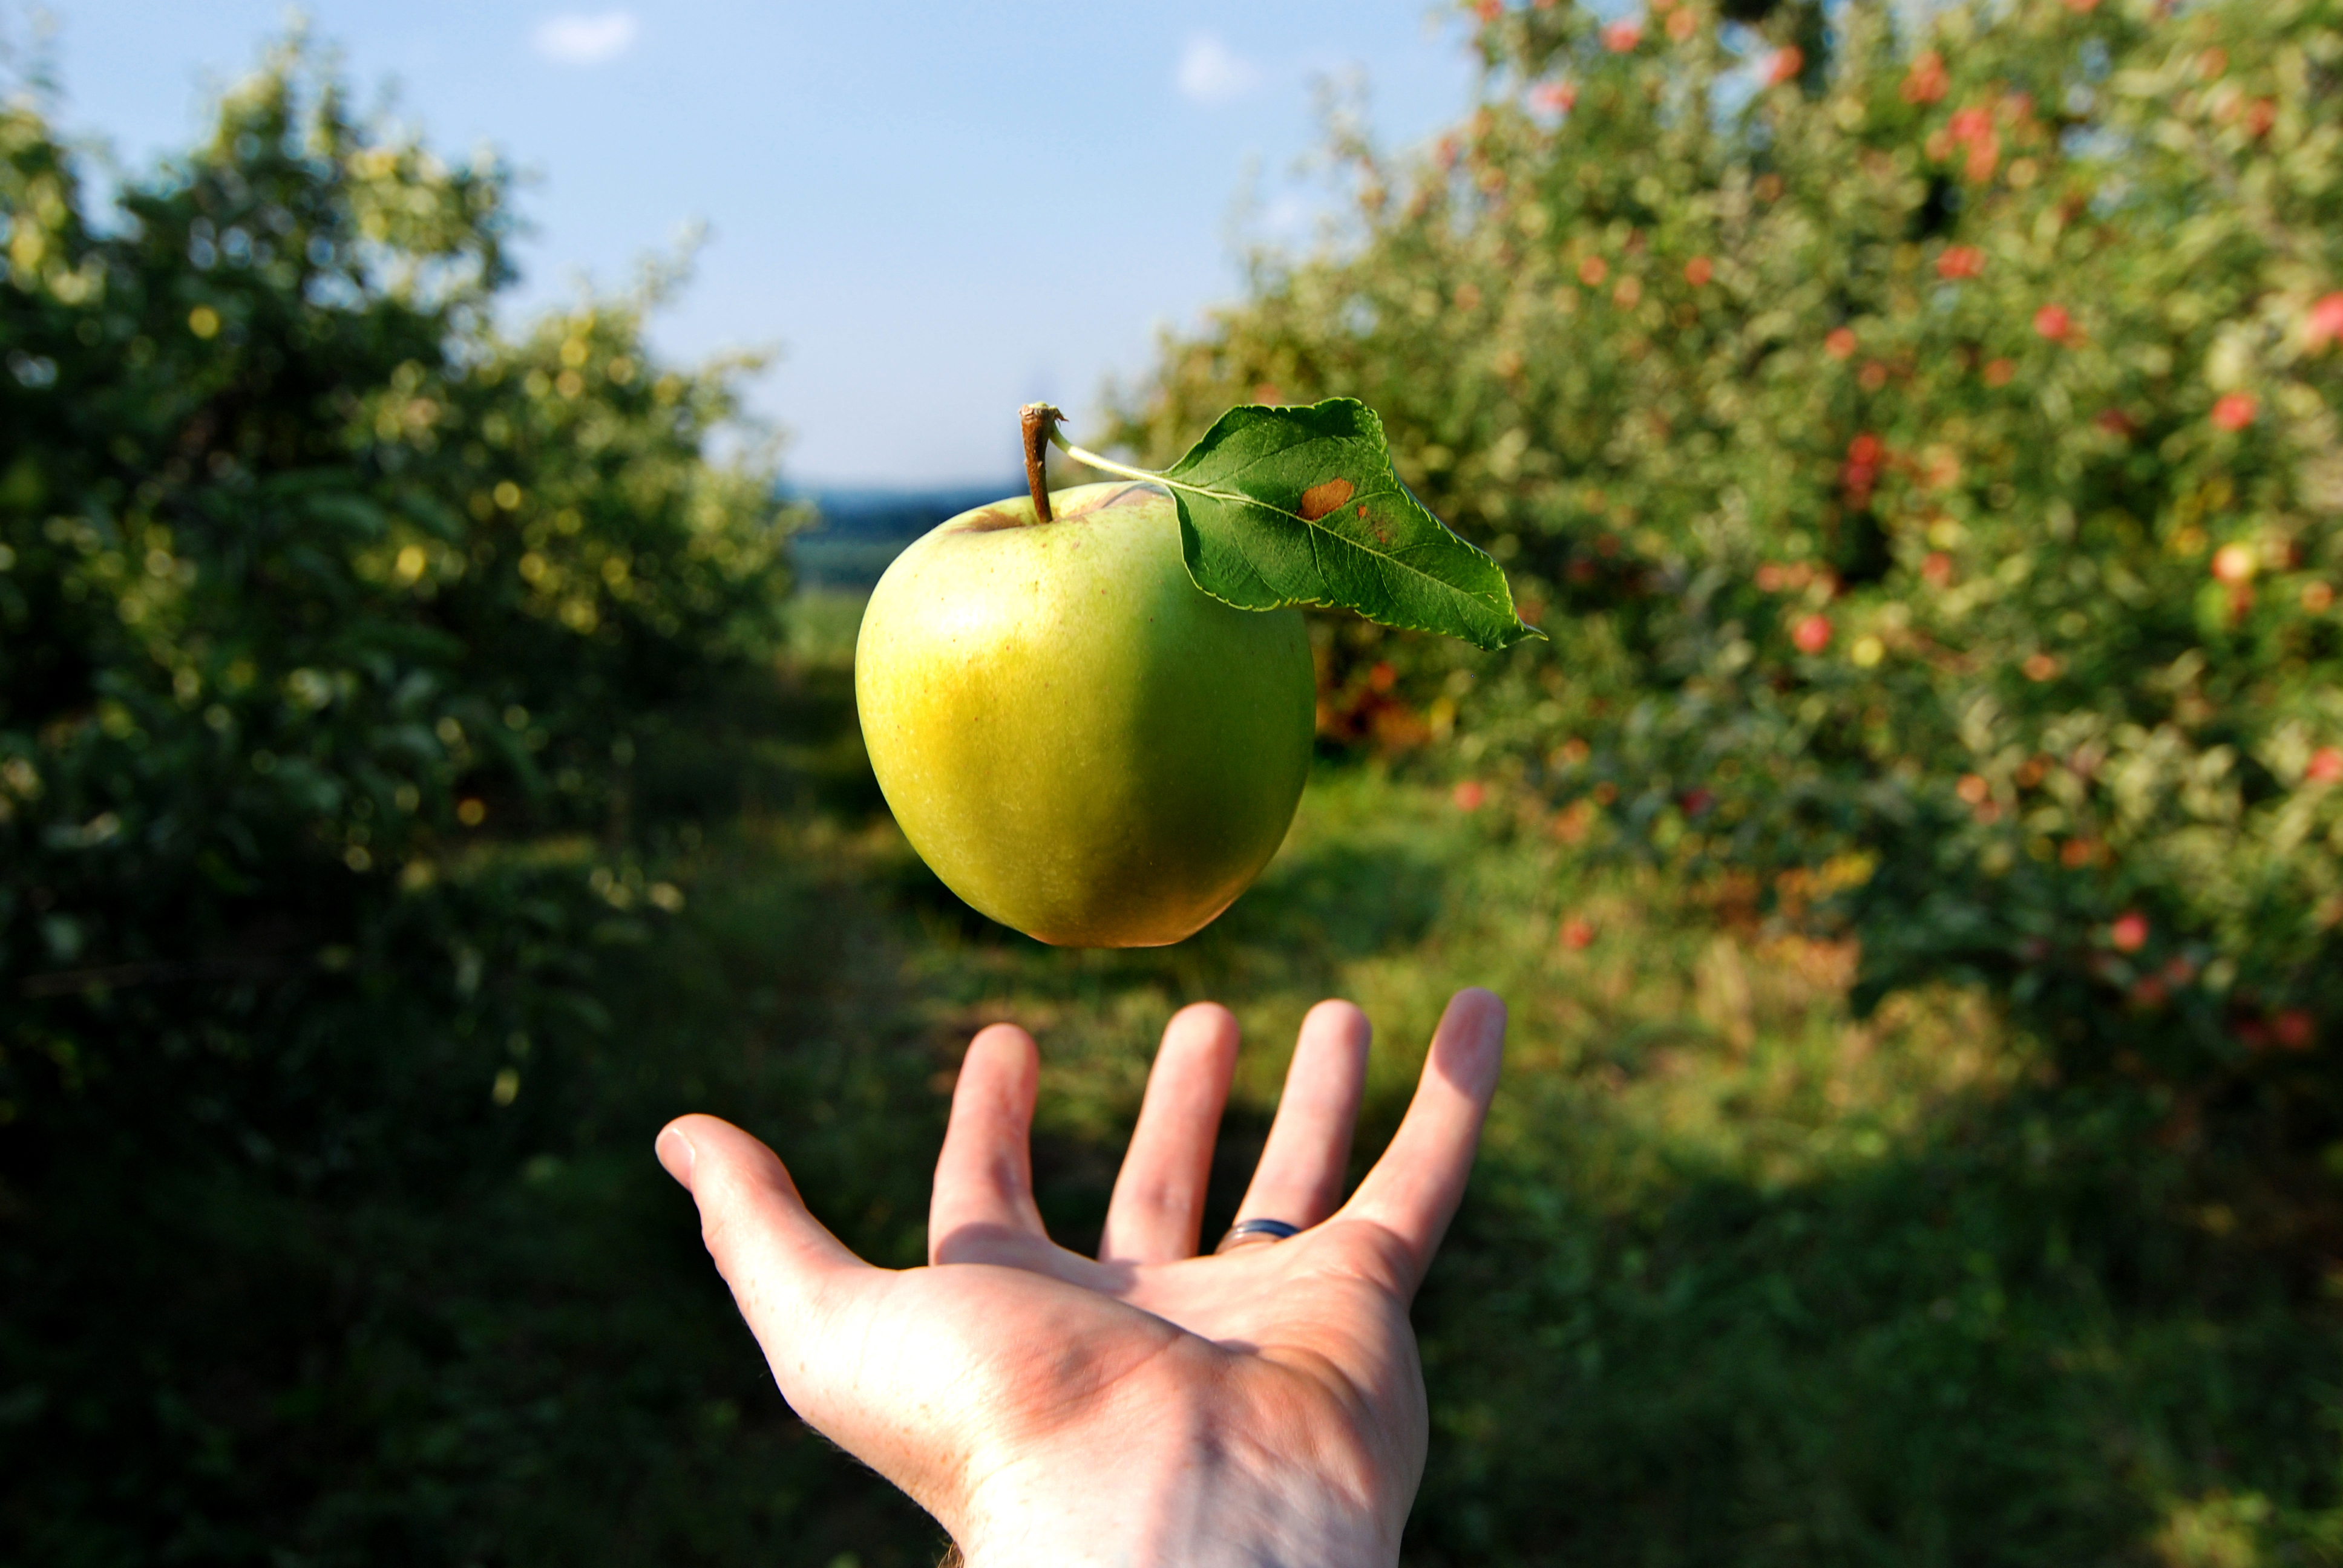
x,y
576,39
1212,72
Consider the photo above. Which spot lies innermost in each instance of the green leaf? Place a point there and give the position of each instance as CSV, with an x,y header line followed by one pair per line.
x,y
1301,505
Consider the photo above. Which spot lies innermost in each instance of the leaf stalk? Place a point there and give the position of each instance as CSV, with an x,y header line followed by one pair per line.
x,y
1057,439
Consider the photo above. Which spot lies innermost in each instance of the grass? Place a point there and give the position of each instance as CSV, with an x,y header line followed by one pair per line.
x,y
1740,1281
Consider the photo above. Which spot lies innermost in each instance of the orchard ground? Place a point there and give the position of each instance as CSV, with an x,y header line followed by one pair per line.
x,y
1740,1281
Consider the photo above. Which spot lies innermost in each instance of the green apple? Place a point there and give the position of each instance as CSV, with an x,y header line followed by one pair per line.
x,y
1082,743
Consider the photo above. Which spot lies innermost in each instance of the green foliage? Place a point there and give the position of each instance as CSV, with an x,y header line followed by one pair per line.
x,y
357,660
1922,450
328,1228
311,581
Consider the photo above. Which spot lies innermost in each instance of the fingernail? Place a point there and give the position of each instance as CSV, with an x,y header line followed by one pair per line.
x,y
674,1152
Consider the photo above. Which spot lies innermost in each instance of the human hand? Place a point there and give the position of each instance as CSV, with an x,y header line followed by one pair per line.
x,y
1262,1406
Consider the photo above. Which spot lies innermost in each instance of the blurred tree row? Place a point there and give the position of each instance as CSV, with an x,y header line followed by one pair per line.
x,y
1921,444
314,582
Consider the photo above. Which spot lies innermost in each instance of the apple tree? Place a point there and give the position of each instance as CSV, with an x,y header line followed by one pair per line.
x,y
1918,439
317,585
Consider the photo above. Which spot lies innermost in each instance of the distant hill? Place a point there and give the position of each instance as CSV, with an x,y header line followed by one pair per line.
x,y
861,530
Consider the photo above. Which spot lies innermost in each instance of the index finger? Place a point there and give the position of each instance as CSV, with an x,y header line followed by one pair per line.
x,y
1415,1188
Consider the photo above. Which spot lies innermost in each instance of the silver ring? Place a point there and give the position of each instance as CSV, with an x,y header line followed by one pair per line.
x,y
1244,1230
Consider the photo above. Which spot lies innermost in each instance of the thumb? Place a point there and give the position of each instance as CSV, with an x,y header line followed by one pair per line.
x,y
791,1279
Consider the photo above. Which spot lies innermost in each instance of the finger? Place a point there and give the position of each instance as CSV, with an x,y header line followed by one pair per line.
x,y
1158,1197
794,1282
984,1178
1300,1177
1413,1189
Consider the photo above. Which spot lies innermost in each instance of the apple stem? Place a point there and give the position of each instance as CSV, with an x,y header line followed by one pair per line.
x,y
1040,422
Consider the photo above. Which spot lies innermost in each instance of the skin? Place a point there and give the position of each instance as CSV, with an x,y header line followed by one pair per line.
x,y
1148,1406
1079,741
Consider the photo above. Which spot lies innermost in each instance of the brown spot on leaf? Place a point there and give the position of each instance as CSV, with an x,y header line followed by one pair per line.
x,y
1319,499
1363,509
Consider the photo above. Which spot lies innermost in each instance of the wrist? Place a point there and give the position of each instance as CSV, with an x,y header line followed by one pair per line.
x,y
1185,1490
1198,1521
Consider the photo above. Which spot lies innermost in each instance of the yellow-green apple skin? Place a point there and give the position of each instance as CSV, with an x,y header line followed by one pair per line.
x,y
1079,741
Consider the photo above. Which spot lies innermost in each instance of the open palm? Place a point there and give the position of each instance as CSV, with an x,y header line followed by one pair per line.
x,y
1148,1405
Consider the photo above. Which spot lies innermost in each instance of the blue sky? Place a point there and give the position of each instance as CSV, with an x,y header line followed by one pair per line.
x,y
934,211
